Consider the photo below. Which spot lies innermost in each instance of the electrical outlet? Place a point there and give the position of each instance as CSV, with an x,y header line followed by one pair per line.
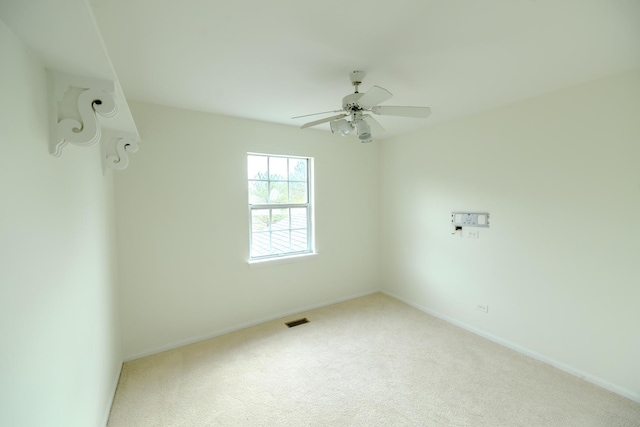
x,y
483,308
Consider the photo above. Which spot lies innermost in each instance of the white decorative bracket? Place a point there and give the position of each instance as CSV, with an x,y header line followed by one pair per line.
x,y
75,104
116,147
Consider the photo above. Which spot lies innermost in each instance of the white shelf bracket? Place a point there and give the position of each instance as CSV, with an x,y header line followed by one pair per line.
x,y
77,105
116,147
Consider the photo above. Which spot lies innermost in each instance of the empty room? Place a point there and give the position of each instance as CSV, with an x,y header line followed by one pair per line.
x,y
415,213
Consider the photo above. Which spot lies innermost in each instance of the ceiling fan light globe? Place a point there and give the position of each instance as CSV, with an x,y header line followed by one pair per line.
x,y
364,131
347,128
365,137
343,127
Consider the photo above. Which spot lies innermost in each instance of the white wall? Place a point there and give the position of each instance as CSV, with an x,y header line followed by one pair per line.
x,y
183,227
60,353
558,268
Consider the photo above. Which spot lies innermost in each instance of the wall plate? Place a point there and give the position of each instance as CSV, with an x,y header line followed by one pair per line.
x,y
470,219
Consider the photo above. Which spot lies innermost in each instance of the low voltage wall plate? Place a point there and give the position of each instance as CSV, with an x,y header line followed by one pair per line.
x,y
470,219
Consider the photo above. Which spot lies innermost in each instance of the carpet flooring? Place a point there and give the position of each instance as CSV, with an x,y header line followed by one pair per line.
x,y
372,361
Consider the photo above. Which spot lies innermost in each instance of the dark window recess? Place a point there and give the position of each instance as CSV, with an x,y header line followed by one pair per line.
x,y
296,322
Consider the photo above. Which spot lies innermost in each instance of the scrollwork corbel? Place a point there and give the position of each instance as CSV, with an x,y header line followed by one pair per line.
x,y
116,149
75,104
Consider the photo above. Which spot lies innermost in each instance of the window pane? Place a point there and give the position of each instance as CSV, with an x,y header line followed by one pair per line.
x,y
256,167
297,192
298,218
298,169
260,244
258,191
279,192
260,219
272,182
299,240
280,219
280,242
278,168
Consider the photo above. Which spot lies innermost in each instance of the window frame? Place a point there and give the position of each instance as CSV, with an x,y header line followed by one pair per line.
x,y
272,206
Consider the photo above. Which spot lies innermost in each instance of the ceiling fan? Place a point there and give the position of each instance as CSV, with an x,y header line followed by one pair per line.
x,y
355,106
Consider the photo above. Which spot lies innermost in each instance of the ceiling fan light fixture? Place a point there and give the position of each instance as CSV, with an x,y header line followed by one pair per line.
x,y
364,131
343,127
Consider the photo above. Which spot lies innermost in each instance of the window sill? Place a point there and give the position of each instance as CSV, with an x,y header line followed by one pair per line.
x,y
281,260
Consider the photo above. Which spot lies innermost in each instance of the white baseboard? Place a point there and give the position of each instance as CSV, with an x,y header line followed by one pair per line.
x,y
114,386
623,391
243,325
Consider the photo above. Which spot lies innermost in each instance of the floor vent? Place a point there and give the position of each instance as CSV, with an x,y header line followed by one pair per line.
x,y
296,322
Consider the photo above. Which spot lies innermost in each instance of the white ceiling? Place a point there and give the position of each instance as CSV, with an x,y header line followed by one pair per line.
x,y
273,59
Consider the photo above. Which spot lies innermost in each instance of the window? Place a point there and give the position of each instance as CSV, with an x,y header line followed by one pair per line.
x,y
279,205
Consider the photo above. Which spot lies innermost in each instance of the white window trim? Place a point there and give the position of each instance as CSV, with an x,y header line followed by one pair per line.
x,y
285,259
290,256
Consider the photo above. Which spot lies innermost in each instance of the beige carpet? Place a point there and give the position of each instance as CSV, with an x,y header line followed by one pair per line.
x,y
373,361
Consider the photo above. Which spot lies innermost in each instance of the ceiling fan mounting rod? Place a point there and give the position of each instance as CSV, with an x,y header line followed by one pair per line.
x,y
356,78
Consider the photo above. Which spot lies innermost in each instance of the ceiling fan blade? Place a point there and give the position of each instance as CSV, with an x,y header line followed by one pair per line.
x,y
325,120
374,96
376,128
419,112
315,114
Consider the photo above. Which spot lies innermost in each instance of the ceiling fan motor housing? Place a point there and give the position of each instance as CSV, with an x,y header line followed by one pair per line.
x,y
350,102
